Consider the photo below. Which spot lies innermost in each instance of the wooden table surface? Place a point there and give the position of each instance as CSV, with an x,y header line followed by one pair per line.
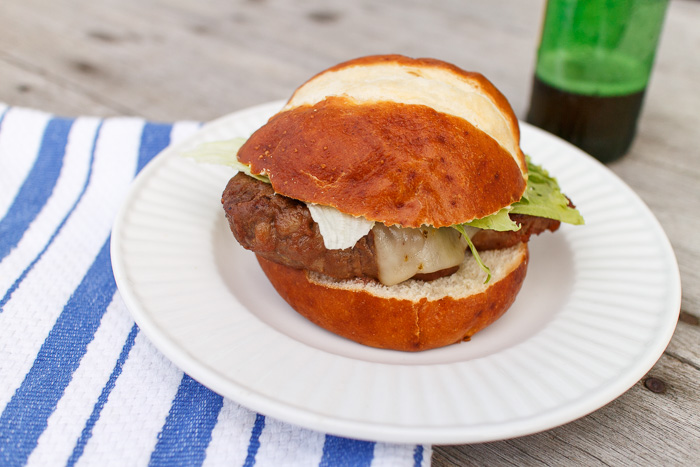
x,y
185,59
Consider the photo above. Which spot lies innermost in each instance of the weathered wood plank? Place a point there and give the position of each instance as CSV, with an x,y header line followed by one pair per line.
x,y
639,428
22,82
684,345
199,60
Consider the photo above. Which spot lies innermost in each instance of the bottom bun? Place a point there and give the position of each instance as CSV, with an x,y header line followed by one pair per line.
x,y
410,316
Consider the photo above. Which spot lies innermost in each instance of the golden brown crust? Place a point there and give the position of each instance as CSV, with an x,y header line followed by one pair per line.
x,y
392,323
396,163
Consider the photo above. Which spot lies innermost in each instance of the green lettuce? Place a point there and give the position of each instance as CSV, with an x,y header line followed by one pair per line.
x,y
500,221
223,153
543,198
475,254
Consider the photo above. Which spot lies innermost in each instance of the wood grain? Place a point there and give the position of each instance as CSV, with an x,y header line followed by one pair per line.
x,y
184,59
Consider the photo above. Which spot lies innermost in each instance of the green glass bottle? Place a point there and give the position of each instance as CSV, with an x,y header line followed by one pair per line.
x,y
593,66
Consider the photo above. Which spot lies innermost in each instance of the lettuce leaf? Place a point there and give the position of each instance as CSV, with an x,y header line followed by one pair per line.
x,y
500,221
543,198
223,153
460,228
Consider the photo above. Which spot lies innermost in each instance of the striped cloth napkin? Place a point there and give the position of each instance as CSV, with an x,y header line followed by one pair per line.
x,y
79,384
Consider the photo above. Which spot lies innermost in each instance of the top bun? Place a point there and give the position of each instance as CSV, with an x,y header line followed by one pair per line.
x,y
396,140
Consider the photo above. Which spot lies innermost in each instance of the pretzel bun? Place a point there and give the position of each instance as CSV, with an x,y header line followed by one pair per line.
x,y
413,315
397,140
406,142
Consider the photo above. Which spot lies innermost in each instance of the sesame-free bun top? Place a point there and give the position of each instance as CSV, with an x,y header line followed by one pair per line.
x,y
396,140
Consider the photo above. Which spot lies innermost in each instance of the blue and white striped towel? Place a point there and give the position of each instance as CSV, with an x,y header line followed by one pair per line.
x,y
79,384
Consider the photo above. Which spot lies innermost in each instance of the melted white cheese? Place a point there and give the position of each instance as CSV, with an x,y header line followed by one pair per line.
x,y
403,253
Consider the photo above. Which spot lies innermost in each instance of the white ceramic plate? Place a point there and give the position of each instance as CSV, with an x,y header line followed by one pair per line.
x,y
597,309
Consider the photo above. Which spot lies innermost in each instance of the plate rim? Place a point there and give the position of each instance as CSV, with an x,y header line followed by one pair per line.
x,y
212,379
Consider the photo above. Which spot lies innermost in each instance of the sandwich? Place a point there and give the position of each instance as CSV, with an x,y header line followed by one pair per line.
x,y
389,201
